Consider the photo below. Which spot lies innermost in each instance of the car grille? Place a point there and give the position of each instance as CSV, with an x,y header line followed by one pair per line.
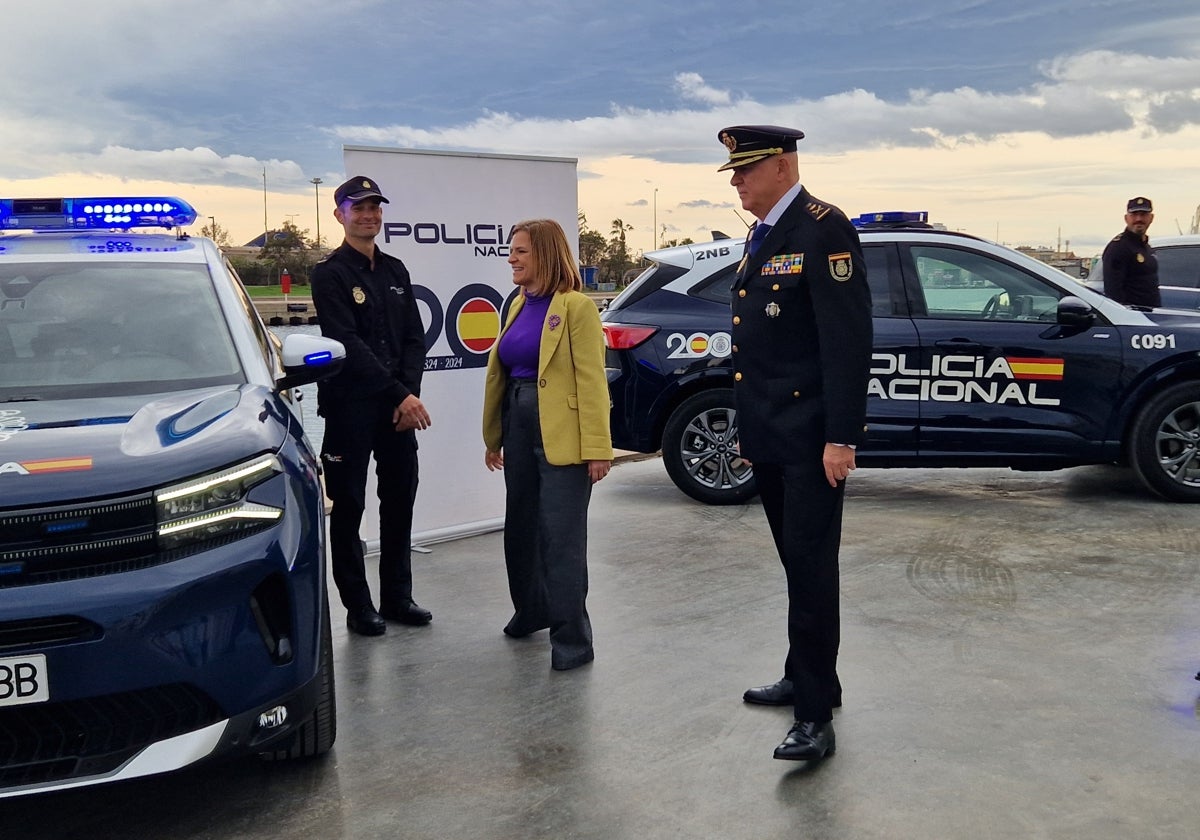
x,y
67,542
50,742
40,633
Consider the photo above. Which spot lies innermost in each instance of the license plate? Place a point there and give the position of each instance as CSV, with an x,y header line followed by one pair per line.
x,y
23,679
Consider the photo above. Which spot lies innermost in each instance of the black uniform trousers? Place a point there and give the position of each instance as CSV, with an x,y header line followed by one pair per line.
x,y
545,532
805,515
354,430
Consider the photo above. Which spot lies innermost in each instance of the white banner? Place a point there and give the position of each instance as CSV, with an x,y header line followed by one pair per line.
x,y
449,218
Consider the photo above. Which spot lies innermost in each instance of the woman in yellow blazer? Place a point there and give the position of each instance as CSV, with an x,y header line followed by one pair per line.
x,y
545,422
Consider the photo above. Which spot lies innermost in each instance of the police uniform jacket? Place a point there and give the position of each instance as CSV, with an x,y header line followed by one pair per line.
x,y
802,336
573,401
1131,270
374,314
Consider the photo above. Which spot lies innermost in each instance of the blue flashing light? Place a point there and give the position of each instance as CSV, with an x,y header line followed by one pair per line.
x,y
324,357
94,213
891,217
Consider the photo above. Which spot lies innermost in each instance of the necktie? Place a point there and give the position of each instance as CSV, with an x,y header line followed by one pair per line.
x,y
757,236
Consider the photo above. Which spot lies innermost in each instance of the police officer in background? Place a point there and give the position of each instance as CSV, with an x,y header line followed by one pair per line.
x,y
801,356
364,299
1129,265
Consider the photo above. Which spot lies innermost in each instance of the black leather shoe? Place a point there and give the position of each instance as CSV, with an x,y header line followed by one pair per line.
x,y
365,621
780,694
775,694
519,630
407,613
806,741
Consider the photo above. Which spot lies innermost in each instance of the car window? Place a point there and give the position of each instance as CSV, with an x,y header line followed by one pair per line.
x,y
1179,266
966,285
887,298
719,287
74,329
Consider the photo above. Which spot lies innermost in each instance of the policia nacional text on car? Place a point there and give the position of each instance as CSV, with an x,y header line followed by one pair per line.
x,y
801,353
364,299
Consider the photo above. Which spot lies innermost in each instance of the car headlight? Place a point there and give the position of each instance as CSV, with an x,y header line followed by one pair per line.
x,y
214,506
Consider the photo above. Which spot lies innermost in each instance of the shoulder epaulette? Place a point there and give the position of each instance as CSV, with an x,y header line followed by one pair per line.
x,y
818,210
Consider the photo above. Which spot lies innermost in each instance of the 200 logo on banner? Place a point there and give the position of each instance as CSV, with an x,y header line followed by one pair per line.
x,y
470,323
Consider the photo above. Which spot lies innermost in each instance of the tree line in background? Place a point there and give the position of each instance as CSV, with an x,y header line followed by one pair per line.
x,y
291,248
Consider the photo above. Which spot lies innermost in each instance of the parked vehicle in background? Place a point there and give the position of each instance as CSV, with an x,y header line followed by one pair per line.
x,y
984,357
1178,271
162,560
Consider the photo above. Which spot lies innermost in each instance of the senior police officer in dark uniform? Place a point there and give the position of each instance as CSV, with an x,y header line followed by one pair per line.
x,y
1130,267
364,299
801,355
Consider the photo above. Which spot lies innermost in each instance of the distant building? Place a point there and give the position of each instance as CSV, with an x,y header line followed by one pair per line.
x,y
1064,261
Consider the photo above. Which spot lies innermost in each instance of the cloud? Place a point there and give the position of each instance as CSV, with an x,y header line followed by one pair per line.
x,y
692,86
704,203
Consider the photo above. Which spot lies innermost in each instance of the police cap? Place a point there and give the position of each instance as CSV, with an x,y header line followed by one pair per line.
x,y
1141,204
750,143
356,189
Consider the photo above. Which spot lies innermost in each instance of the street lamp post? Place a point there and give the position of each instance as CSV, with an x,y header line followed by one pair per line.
x,y
212,231
316,182
655,240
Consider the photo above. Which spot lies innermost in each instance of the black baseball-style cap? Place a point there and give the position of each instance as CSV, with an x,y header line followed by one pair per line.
x,y
750,143
1141,204
356,189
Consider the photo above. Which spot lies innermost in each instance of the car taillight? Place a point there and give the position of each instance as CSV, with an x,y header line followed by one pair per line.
x,y
624,337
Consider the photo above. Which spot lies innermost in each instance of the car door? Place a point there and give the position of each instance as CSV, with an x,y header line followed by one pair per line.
x,y
892,419
997,378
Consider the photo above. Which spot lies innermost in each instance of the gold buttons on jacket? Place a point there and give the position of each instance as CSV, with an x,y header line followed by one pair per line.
x,y
736,320
795,393
775,288
742,293
737,377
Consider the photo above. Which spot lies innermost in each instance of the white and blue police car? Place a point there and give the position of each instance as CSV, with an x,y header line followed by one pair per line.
x,y
984,357
162,566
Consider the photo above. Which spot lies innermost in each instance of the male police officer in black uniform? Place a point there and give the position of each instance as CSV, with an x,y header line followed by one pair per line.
x,y
364,299
1130,268
801,356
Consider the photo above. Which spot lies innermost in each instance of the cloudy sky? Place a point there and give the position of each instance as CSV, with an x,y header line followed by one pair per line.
x,y
1027,122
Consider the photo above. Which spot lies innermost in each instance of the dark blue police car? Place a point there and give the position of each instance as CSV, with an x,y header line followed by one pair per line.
x,y
984,357
162,563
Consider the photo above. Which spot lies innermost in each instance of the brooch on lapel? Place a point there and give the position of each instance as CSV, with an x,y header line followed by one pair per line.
x,y
554,321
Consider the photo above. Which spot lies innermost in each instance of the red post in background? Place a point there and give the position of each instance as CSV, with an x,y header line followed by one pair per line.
x,y
285,280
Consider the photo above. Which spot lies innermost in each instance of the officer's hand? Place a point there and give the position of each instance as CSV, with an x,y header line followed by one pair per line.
x,y
411,414
598,469
494,460
839,463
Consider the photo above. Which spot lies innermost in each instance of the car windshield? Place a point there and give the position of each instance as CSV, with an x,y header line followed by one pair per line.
x,y
75,329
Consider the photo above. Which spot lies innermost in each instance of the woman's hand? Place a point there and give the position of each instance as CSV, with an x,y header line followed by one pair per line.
x,y
598,469
494,460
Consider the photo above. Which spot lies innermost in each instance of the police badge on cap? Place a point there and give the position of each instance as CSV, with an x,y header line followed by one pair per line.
x,y
1141,204
750,143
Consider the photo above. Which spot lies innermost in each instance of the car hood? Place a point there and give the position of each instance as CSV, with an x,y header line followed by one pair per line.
x,y
1185,318
60,450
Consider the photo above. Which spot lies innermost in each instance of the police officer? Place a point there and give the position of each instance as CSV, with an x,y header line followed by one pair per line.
x,y
1130,268
364,299
801,355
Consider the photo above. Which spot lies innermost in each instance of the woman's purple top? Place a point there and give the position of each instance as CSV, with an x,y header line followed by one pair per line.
x,y
521,342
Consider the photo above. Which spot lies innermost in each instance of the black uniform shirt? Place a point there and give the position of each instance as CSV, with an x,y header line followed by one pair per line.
x,y
375,315
1131,270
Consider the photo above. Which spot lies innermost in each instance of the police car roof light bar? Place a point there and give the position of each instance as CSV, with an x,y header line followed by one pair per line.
x,y
94,213
893,218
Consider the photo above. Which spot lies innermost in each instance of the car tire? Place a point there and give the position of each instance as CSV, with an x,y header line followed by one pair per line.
x,y
1164,447
699,450
316,735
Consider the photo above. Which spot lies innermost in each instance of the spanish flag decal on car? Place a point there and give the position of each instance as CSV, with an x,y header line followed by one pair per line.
x,y
1049,369
53,465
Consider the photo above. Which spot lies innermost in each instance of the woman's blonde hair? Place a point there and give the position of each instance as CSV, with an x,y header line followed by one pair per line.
x,y
555,268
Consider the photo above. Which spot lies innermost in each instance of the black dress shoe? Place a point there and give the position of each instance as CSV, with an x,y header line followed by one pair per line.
x,y
407,613
806,741
780,694
365,621
520,629
775,694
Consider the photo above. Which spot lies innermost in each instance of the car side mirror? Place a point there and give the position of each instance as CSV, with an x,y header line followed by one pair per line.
x,y
307,358
1075,312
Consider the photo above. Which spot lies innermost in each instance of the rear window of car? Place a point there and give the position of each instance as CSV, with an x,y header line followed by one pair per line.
x,y
75,329
1179,266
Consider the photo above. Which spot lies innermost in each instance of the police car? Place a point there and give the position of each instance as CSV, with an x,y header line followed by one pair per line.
x,y
162,564
1178,271
983,357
